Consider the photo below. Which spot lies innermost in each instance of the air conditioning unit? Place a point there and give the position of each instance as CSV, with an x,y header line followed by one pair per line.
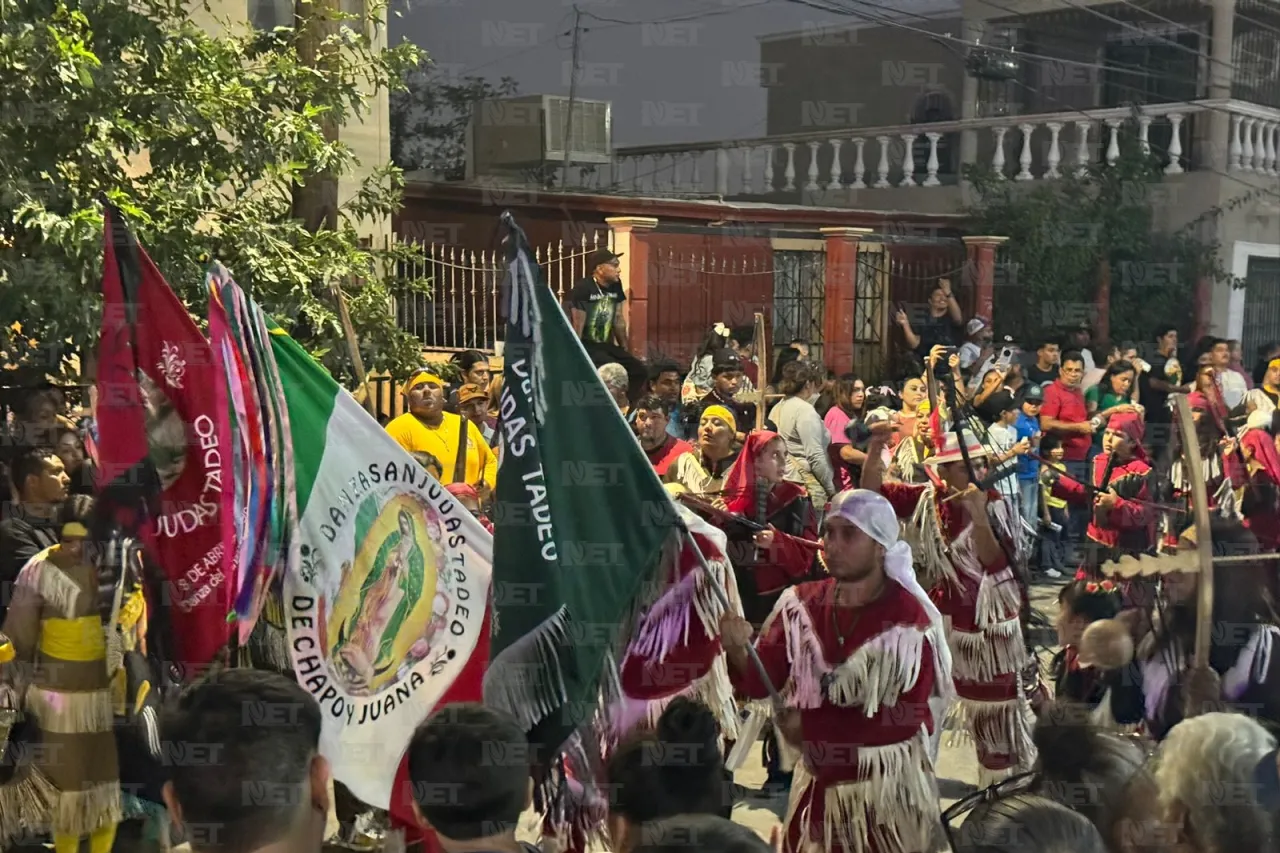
x,y
528,131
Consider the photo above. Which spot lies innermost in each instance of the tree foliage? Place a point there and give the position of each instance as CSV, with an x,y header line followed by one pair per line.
x,y
1065,234
429,118
201,139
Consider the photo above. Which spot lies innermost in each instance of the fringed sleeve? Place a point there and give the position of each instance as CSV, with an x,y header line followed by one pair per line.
x,y
771,646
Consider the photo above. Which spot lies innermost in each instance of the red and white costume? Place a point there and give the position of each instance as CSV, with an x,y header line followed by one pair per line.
x,y
981,603
866,781
674,651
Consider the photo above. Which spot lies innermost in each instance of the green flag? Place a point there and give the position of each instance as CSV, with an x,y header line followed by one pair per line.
x,y
581,523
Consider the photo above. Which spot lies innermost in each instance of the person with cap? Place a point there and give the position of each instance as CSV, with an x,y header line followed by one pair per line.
x,y
703,469
978,347
862,663
1121,521
965,541
473,405
595,309
726,382
1006,446
457,442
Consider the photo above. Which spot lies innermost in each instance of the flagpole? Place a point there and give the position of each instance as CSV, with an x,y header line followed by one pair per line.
x,y
718,588
353,347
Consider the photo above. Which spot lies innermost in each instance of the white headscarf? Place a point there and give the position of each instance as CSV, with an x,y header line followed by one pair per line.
x,y
872,513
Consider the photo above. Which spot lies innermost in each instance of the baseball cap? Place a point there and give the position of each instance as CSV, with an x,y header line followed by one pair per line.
x,y
600,256
1032,394
977,324
470,392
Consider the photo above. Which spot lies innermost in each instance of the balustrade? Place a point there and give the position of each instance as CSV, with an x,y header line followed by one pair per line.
x,y
829,162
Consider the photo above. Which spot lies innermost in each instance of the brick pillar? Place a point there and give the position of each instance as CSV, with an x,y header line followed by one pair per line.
x,y
981,266
840,290
631,239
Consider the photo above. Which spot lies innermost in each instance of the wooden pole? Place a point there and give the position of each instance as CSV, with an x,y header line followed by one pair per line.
x,y
353,348
1204,541
761,342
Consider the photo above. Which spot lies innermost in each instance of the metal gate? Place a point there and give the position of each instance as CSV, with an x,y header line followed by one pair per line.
x,y
799,294
870,314
1261,305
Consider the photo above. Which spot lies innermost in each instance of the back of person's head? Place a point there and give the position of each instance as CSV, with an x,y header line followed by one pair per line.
x,y
675,769
702,833
1027,823
469,767
1205,777
794,377
245,770
743,336
1081,766
1089,599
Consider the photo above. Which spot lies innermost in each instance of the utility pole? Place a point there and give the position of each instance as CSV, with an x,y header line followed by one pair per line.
x,y
573,94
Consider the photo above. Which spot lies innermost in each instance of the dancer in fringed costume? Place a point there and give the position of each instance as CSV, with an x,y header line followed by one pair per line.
x,y
69,659
674,651
964,540
1121,522
857,657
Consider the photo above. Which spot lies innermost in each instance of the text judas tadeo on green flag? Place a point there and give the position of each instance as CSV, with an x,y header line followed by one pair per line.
x,y
386,597
581,520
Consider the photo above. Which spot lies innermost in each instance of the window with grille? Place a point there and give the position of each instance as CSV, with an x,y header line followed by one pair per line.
x,y
799,282
1261,305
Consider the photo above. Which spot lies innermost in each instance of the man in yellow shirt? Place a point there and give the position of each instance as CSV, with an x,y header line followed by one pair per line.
x,y
427,428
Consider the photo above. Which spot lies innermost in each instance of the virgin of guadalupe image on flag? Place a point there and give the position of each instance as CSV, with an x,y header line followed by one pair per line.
x,y
386,587
384,620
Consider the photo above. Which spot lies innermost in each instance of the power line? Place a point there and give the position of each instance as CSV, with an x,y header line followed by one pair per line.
x,y
696,16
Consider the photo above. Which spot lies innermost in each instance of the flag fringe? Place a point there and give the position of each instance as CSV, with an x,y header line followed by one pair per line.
x,y
513,681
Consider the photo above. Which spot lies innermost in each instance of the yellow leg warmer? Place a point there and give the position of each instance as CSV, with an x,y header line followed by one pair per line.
x,y
66,844
102,839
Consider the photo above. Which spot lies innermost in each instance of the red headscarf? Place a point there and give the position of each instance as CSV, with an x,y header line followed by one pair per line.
x,y
1263,448
465,490
740,485
1131,425
462,490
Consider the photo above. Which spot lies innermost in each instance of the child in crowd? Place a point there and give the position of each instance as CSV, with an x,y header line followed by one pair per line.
x,y
1053,536
1027,428
1007,447
1094,666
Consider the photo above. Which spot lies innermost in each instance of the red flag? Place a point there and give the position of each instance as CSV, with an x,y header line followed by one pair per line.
x,y
160,440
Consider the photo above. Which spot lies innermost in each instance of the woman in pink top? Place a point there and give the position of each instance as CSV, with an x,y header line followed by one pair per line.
x,y
851,397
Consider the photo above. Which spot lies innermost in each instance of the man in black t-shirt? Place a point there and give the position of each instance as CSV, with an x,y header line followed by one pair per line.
x,y
41,483
595,309
1044,368
941,325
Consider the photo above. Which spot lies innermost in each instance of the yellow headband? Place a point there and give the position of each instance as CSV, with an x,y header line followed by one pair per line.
x,y
422,379
74,530
1273,364
722,413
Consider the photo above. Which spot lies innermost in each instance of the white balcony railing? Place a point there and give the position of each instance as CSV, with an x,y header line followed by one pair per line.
x,y
1024,148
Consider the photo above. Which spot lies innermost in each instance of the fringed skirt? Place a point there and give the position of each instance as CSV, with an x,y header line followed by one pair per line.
x,y
78,756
